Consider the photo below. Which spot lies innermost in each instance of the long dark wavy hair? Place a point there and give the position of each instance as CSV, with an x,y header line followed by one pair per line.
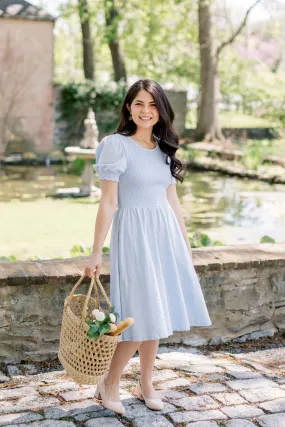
x,y
163,130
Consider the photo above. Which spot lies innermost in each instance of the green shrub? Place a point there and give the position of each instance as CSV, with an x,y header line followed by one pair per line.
x,y
76,167
267,239
77,98
199,240
82,250
190,153
254,153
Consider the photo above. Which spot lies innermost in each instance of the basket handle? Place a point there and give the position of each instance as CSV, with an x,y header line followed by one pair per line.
x,y
94,285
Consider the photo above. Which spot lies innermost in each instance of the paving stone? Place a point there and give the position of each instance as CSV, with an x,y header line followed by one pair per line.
x,y
251,383
217,377
188,416
173,383
242,411
141,410
92,415
22,417
54,389
195,403
13,393
203,388
49,377
74,395
261,394
276,420
203,424
151,421
203,369
245,375
170,364
233,367
174,394
257,366
129,400
274,406
104,422
188,356
229,398
239,423
46,423
72,409
27,403
3,378
164,375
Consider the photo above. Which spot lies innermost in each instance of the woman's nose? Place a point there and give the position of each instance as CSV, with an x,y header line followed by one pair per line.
x,y
145,108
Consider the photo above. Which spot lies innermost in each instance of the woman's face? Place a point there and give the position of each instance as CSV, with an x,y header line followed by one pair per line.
x,y
143,110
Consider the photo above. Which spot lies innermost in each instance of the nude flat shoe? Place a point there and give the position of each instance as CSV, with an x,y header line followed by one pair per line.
x,y
100,394
152,403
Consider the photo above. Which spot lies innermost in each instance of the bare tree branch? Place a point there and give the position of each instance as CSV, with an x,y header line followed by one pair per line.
x,y
238,31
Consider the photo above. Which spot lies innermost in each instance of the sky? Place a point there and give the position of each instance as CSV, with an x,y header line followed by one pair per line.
x,y
257,14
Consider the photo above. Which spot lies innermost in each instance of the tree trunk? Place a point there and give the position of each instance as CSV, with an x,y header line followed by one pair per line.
x,y
208,127
87,42
111,14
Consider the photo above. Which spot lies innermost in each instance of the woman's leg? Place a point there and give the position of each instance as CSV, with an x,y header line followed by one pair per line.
x,y
124,351
147,352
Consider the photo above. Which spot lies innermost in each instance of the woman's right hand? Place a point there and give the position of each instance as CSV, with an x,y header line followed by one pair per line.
x,y
94,265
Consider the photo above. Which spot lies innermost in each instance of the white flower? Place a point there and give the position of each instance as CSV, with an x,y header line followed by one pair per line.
x,y
112,318
94,312
99,315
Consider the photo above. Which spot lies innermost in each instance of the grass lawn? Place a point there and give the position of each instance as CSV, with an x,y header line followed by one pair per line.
x,y
231,119
47,228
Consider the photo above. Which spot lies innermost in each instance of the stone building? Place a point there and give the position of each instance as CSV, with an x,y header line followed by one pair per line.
x,y
26,74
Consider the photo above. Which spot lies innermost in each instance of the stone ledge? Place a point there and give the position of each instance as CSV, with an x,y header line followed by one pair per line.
x,y
214,258
243,286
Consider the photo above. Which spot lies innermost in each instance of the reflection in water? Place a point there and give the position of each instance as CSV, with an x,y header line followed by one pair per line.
x,y
226,208
233,210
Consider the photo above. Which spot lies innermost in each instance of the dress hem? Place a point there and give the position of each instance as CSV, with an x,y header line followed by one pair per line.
x,y
169,335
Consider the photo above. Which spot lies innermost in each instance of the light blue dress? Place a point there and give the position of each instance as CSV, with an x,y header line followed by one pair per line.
x,y
152,277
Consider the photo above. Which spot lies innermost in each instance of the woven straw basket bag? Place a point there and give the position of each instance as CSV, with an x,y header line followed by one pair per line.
x,y
84,359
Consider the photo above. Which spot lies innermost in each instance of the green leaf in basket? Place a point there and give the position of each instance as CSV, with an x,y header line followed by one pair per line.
x,y
96,336
104,330
107,319
93,330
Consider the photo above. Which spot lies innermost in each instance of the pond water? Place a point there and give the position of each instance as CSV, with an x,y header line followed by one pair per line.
x,y
228,209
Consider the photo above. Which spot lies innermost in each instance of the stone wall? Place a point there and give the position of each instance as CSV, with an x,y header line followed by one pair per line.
x,y
244,289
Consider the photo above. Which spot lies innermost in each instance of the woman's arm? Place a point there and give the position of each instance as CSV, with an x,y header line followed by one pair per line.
x,y
107,207
175,204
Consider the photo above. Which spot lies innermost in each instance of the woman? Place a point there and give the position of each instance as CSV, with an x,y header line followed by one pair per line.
x,y
152,277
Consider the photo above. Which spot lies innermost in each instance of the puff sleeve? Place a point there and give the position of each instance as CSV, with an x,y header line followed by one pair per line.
x,y
110,158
